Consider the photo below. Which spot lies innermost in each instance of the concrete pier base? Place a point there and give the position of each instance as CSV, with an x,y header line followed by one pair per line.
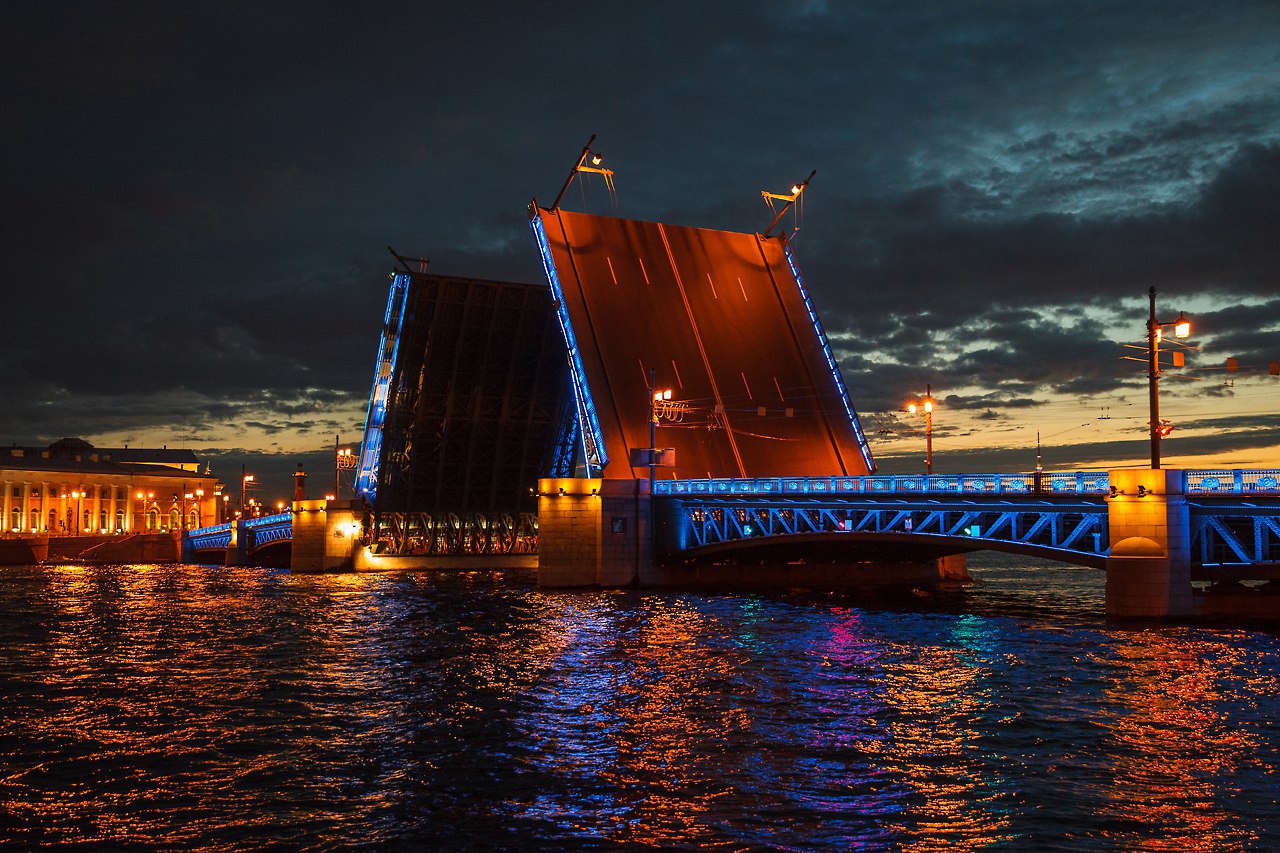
x,y
593,532
325,536
1149,564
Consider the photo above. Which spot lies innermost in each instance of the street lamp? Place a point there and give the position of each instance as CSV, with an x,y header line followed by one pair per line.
x,y
343,458
77,496
245,480
199,509
1181,329
144,498
925,404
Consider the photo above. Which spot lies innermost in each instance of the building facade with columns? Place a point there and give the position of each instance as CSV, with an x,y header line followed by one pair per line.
x,y
71,487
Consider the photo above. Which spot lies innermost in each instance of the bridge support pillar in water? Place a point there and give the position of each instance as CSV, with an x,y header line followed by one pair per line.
x,y
594,532
1149,562
237,554
325,536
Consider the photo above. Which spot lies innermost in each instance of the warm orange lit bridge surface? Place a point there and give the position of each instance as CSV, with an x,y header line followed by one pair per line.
x,y
723,321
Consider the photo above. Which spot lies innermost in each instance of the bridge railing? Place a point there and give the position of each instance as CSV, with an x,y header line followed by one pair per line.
x,y
1237,481
1198,482
1053,482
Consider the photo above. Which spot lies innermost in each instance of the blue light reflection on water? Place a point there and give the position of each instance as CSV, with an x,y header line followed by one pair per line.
x,y
216,708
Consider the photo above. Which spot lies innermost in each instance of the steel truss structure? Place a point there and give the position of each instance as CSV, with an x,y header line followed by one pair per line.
x,y
422,533
478,407
1235,536
1074,531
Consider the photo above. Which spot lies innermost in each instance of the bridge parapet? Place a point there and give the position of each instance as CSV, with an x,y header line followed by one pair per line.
x,y
1047,482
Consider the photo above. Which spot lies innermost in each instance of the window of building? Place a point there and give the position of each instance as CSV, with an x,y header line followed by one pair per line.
x,y
15,518
35,492
35,521
53,520
153,520
175,520
17,491
193,519
102,520
119,520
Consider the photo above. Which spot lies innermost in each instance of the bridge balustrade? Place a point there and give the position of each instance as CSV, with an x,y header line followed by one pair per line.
x,y
1067,483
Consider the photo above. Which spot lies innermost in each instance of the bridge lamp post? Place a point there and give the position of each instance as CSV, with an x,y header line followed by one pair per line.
x,y
1181,329
343,458
186,496
925,405
245,480
199,509
657,398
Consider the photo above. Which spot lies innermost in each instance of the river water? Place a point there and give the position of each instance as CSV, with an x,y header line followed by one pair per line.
x,y
220,709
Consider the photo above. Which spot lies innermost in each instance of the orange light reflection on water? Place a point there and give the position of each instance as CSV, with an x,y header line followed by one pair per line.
x,y
1170,689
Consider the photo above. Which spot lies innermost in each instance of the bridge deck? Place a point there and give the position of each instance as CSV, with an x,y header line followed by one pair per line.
x,y
722,319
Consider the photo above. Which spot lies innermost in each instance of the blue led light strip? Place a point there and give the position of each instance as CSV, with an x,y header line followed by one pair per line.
x,y
384,370
863,446
588,422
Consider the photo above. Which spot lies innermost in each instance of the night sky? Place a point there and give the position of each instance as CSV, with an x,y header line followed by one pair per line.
x,y
198,198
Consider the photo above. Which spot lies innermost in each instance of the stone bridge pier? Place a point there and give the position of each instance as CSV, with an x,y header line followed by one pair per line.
x,y
1149,530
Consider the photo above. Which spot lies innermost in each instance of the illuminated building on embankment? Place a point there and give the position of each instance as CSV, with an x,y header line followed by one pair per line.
x,y
72,487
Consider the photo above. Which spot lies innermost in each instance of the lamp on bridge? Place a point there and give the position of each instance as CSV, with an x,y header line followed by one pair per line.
x,y
245,480
1181,329
925,405
343,459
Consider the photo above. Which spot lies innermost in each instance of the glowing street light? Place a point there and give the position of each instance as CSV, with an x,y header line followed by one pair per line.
x,y
925,405
1181,329
343,458
145,499
245,480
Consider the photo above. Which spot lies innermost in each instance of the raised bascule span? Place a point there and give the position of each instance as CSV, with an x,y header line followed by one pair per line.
x,y
723,321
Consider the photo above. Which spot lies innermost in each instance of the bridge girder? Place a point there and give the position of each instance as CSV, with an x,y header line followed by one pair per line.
x,y
1073,532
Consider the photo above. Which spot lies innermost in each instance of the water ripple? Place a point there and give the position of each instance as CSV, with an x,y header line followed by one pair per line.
x,y
218,709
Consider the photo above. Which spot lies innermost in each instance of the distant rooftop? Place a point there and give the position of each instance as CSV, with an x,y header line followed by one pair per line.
x,y
76,454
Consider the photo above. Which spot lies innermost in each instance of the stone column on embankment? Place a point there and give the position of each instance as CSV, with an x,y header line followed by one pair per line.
x,y
1149,531
593,532
325,536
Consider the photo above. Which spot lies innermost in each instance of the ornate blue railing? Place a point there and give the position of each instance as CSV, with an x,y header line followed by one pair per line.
x,y
1053,482
1233,482
209,538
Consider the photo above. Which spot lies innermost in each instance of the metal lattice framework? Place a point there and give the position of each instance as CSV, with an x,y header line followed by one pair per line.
x,y
422,533
258,532
1235,535
478,407
1074,531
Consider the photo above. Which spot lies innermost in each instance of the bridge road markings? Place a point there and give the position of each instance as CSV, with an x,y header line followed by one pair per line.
x,y
702,350
804,361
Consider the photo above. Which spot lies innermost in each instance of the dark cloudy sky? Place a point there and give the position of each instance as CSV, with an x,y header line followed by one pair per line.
x,y
198,197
